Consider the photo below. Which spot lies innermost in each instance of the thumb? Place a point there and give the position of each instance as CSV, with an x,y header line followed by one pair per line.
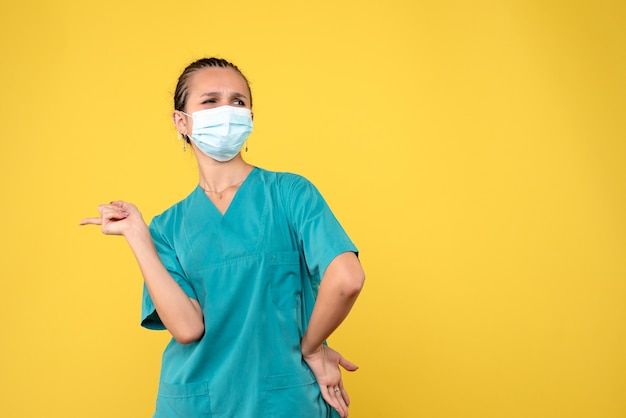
x,y
348,365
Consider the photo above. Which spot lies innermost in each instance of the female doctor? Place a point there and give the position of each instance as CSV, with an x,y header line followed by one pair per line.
x,y
250,273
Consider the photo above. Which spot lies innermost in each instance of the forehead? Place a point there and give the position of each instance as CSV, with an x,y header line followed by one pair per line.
x,y
216,79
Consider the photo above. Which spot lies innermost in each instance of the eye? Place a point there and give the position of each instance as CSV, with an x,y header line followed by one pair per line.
x,y
209,101
239,102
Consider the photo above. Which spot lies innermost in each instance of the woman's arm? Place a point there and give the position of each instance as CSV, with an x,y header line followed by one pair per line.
x,y
339,289
341,284
181,315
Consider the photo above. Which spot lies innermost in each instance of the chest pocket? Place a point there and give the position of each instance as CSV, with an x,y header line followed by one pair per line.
x,y
285,279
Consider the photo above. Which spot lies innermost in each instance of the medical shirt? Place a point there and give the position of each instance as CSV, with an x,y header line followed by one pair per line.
x,y
255,271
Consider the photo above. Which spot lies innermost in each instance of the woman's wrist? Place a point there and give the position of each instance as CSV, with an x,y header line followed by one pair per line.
x,y
137,234
308,350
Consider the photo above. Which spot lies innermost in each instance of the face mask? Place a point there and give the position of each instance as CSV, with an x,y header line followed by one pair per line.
x,y
220,132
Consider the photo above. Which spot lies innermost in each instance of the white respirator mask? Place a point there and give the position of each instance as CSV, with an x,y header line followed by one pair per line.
x,y
220,132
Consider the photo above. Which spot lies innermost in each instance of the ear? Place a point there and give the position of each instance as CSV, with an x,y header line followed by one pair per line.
x,y
251,115
181,123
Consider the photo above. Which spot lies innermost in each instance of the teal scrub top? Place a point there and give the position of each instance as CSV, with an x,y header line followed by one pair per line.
x,y
255,271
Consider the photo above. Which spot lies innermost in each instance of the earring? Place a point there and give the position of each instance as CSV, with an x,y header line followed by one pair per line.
x,y
246,146
180,136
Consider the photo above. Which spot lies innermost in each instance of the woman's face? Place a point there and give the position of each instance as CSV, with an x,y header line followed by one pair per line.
x,y
212,87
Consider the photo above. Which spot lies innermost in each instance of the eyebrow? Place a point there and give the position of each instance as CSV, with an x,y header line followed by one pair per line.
x,y
219,93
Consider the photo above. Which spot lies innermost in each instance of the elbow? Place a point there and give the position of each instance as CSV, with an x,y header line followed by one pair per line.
x,y
353,284
347,275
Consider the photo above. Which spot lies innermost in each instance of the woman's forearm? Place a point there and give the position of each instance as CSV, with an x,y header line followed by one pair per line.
x,y
339,289
181,315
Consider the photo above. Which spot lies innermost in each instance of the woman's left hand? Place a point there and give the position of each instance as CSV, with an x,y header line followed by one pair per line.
x,y
324,363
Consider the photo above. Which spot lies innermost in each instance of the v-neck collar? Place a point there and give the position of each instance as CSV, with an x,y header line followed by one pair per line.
x,y
242,189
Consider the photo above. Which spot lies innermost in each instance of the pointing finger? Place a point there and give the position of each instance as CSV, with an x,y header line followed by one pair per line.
x,y
91,221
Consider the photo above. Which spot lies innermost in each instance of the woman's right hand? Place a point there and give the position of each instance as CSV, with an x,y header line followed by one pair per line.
x,y
116,218
324,363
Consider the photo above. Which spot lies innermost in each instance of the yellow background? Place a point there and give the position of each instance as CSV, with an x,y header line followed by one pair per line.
x,y
475,152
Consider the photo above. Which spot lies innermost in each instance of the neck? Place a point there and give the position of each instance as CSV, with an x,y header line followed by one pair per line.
x,y
215,175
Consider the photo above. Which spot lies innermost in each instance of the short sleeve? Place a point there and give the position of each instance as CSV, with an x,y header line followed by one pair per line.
x,y
165,249
320,234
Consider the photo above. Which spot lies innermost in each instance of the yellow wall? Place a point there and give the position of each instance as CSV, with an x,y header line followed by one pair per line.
x,y
475,151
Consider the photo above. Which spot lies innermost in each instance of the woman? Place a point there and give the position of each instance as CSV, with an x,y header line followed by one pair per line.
x,y
250,273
